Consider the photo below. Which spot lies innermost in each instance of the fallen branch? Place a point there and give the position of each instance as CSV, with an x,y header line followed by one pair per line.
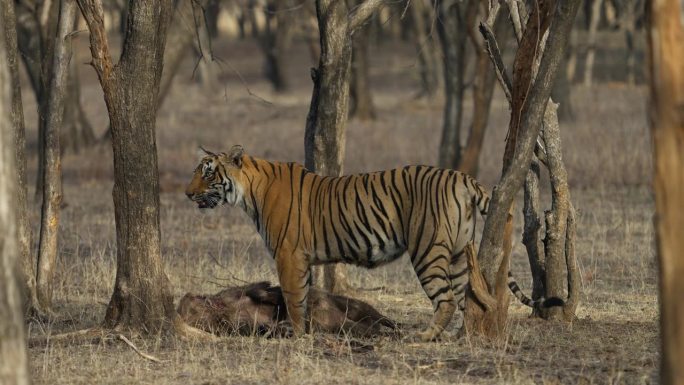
x,y
135,348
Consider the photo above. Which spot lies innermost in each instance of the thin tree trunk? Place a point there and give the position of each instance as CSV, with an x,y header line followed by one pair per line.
x,y
207,68
629,25
591,41
26,257
453,36
665,34
52,185
13,355
275,41
483,91
142,298
361,100
178,43
425,49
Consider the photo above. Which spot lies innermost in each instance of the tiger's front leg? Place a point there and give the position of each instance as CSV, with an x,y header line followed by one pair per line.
x,y
294,275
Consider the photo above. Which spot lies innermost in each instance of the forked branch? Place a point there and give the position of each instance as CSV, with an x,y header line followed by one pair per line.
x,y
362,13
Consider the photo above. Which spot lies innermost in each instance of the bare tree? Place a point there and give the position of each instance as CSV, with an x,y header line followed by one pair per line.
x,y
142,299
594,19
13,355
665,34
52,184
275,40
425,47
26,257
533,77
324,138
178,43
208,76
483,90
453,36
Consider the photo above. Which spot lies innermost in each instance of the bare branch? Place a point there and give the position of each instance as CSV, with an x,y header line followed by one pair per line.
x,y
362,13
478,285
515,18
135,349
574,279
497,61
99,48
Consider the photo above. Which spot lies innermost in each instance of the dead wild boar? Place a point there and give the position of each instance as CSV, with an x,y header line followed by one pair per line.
x,y
259,308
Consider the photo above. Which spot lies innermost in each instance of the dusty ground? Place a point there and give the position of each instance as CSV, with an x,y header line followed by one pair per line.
x,y
607,152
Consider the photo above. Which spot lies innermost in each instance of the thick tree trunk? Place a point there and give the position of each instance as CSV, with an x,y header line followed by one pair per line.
x,y
361,101
324,137
52,184
26,257
529,98
591,41
142,299
13,356
532,231
453,36
665,34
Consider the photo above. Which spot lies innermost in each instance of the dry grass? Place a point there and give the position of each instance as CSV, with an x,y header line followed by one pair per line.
x,y
607,151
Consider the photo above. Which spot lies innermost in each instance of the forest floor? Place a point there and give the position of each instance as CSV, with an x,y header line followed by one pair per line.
x,y
607,151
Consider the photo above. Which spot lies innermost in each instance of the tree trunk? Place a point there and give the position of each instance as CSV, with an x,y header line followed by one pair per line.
x,y
665,36
275,41
207,68
629,25
591,41
178,43
361,101
425,48
324,137
77,132
26,257
529,98
453,36
52,184
13,355
142,298
483,90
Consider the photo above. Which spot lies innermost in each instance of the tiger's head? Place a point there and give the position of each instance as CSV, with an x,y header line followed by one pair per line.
x,y
218,178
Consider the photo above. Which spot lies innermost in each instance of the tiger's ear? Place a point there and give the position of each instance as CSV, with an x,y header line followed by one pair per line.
x,y
202,153
234,156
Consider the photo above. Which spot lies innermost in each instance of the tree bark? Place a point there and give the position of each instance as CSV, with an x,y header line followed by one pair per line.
x,y
142,299
530,95
52,183
324,137
591,41
13,355
665,36
453,36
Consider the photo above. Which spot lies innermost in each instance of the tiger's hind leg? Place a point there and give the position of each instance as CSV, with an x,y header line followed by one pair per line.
x,y
432,269
294,274
458,275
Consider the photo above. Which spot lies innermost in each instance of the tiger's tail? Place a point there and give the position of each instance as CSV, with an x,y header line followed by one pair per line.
x,y
535,304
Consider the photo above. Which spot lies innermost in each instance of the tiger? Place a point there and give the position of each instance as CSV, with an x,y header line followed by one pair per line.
x,y
367,219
